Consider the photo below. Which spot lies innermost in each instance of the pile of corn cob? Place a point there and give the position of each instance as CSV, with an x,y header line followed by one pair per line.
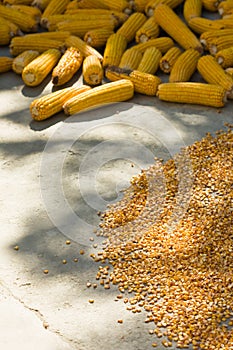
x,y
148,47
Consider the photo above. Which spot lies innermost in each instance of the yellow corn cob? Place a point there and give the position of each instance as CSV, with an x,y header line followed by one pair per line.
x,y
200,24
151,5
82,46
225,6
34,12
163,44
92,71
14,29
176,28
59,36
118,91
130,59
86,4
229,71
25,23
144,83
80,28
50,104
140,5
185,66
150,60
227,21
17,2
5,35
213,73
169,58
211,5
22,43
54,7
5,64
92,14
114,49
41,4
149,30
97,38
192,8
68,65
119,5
131,25
206,37
36,71
220,43
194,93
22,60
225,57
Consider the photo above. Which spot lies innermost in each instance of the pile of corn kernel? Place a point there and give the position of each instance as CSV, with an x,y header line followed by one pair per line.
x,y
182,274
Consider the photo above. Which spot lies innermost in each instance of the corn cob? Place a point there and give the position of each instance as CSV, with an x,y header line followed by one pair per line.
x,y
79,28
150,60
149,30
5,34
229,71
54,7
131,26
14,29
5,64
200,24
144,83
206,37
17,2
26,24
163,44
176,28
119,5
86,4
185,66
36,71
97,38
88,14
22,43
192,8
68,65
50,104
34,12
22,60
220,43
60,36
82,46
114,49
211,5
140,5
151,5
169,58
213,73
92,71
225,57
225,7
41,4
194,93
117,91
130,59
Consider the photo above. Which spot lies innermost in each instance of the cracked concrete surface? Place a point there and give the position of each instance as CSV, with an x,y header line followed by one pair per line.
x,y
60,299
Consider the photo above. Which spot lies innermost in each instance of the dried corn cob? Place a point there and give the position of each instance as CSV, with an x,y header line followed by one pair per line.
x,y
36,71
225,7
213,73
163,44
79,28
92,71
26,24
144,83
86,4
194,93
225,57
220,43
229,71
5,64
131,26
150,60
68,65
22,60
54,7
151,5
176,28
48,105
22,43
97,38
200,24
149,30
211,5
185,66
114,49
82,46
206,37
119,5
17,2
140,5
130,59
60,36
41,4
14,29
88,14
5,34
192,8
34,12
168,60
101,95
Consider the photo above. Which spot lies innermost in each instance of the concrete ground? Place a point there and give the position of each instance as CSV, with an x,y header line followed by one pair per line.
x,y
55,176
